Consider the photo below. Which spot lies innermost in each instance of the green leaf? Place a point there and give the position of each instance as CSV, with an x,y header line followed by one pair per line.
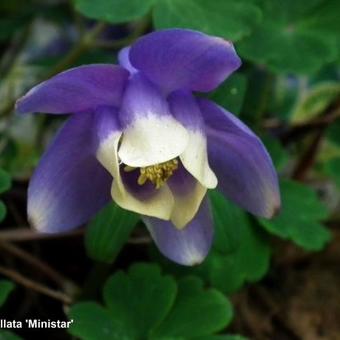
x,y
144,304
332,169
136,303
8,26
8,335
5,181
230,94
315,101
324,19
6,287
300,218
186,317
333,133
146,292
92,321
225,18
285,40
278,154
114,11
240,252
3,211
108,232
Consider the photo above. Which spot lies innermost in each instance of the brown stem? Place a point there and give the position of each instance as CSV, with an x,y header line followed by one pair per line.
x,y
36,286
38,264
26,234
307,160
331,114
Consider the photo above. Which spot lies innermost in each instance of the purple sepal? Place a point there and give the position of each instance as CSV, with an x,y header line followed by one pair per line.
x,y
188,246
184,59
79,89
240,161
69,185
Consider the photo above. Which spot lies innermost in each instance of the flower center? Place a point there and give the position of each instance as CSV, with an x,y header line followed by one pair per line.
x,y
157,174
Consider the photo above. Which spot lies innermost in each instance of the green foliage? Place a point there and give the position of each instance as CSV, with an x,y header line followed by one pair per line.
x,y
240,251
144,304
315,101
333,133
8,27
6,287
3,211
5,184
278,154
8,335
186,317
114,11
226,18
108,231
300,218
332,169
291,37
5,181
230,93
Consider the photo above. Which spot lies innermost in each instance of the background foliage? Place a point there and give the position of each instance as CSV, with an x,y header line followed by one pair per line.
x,y
262,279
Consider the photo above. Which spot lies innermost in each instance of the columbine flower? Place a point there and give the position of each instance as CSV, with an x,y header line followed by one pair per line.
x,y
137,135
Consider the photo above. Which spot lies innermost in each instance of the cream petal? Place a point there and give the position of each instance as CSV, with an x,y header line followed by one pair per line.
x,y
195,160
195,157
188,194
159,204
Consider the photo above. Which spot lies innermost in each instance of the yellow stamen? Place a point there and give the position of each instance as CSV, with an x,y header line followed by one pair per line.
x,y
158,174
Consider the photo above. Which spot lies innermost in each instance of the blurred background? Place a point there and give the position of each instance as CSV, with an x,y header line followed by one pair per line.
x,y
276,279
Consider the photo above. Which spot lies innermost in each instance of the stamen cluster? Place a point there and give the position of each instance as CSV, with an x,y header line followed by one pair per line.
x,y
158,174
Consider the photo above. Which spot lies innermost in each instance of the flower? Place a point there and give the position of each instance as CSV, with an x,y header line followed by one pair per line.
x,y
137,135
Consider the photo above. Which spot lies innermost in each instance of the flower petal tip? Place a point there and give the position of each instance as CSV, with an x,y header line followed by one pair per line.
x,y
236,60
18,107
276,211
194,260
36,221
190,258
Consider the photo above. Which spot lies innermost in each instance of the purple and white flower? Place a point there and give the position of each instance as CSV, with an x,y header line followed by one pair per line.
x,y
138,135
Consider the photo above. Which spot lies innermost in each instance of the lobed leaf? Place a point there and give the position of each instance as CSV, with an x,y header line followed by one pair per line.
x,y
300,217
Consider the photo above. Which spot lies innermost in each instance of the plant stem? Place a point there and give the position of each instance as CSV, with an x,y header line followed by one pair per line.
x,y
26,234
44,268
36,286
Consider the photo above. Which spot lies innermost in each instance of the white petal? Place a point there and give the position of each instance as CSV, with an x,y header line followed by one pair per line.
x,y
195,159
152,139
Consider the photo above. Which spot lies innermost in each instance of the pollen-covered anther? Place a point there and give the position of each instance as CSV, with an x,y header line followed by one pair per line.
x,y
158,174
